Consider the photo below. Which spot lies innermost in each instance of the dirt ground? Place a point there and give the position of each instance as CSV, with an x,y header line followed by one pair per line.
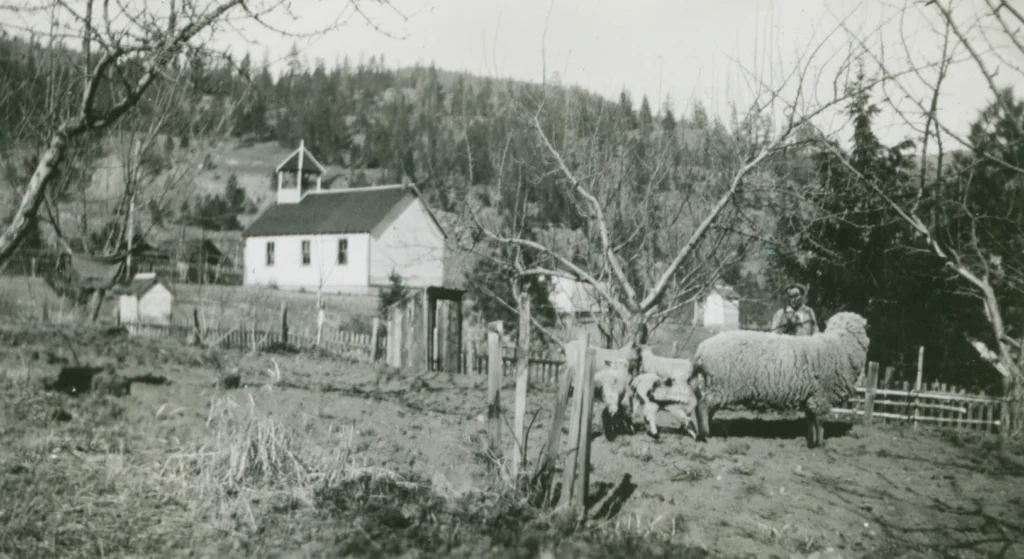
x,y
753,490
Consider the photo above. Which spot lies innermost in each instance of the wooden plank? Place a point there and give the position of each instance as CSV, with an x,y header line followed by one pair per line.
x,y
917,382
901,403
284,323
522,385
571,460
934,395
494,373
586,412
899,416
869,400
373,339
957,421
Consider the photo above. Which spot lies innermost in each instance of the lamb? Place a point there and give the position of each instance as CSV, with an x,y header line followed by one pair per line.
x,y
655,392
601,355
665,367
612,383
763,370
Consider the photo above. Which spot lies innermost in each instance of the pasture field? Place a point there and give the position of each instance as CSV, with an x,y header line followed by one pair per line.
x,y
335,459
220,306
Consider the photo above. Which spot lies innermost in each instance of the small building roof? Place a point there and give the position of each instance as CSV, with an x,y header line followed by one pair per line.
x,y
346,210
140,284
309,163
574,296
726,291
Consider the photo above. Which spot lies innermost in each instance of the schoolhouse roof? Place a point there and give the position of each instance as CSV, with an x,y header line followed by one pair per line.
x,y
345,210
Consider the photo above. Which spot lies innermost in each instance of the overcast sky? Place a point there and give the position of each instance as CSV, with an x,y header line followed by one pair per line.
x,y
715,51
678,49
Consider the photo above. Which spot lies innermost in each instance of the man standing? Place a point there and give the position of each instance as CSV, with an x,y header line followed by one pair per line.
x,y
795,318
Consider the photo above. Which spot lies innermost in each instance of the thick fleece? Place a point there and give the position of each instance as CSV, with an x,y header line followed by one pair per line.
x,y
767,371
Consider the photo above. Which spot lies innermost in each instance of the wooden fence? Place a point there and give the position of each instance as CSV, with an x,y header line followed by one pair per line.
x,y
934,404
253,337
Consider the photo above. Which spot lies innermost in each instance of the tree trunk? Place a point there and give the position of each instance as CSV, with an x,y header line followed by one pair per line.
x,y
33,197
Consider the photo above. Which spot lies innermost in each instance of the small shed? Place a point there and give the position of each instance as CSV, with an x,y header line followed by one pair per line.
x,y
146,300
720,308
425,330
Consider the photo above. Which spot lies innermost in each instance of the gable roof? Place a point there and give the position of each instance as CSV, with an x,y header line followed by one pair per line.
x,y
291,163
574,296
726,291
346,210
140,284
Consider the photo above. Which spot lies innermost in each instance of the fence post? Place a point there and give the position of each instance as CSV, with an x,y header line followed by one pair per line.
x,y
869,398
572,460
319,325
373,339
494,366
522,384
284,324
583,452
551,449
252,333
917,383
196,332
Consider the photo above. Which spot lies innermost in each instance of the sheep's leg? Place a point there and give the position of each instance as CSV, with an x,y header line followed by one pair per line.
x,y
651,415
816,410
607,423
684,414
815,430
703,425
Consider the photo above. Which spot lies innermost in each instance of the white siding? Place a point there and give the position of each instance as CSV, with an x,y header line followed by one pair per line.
x,y
128,308
722,312
413,246
288,272
155,306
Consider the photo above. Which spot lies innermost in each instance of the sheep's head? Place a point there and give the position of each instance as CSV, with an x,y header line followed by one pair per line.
x,y
849,322
613,382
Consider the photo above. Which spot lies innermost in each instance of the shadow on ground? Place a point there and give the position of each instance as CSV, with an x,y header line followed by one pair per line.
x,y
773,428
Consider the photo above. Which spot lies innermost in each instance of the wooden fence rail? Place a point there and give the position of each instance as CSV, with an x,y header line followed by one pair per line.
x,y
935,404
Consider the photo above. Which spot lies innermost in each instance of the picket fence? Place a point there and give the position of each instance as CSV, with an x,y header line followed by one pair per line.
x,y
935,404
252,337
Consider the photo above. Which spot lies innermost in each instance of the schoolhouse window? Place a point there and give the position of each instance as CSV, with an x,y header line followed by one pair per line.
x,y
270,253
305,253
342,251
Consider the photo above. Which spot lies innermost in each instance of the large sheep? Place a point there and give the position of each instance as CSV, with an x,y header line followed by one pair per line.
x,y
655,392
768,371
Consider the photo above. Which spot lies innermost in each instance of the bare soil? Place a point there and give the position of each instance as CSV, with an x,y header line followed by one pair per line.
x,y
143,475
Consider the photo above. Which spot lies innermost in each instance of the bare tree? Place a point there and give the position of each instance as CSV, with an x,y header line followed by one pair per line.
x,y
125,49
979,245
646,229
